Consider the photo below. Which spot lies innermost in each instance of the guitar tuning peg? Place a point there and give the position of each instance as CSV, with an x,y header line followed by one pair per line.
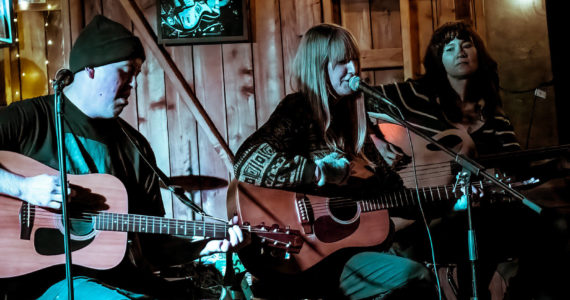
x,y
263,240
287,255
261,251
275,227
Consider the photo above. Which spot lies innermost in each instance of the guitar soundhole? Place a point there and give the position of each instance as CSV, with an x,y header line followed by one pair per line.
x,y
79,229
343,209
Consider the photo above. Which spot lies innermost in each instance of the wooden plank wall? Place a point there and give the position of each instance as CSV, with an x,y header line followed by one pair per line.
x,y
238,84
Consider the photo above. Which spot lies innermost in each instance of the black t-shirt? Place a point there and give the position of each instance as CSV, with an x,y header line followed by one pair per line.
x,y
92,146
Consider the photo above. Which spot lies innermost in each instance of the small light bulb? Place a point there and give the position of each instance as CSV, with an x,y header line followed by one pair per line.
x,y
24,4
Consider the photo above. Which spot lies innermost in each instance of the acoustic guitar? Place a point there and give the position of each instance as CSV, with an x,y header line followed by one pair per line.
x,y
328,225
31,236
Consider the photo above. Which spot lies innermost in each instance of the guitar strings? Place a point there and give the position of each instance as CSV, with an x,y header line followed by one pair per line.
x,y
172,225
394,199
166,223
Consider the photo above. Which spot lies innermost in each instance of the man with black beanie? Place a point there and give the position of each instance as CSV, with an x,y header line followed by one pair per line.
x,y
105,60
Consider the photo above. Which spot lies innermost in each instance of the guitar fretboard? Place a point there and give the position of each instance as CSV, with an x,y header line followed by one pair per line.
x,y
149,224
408,198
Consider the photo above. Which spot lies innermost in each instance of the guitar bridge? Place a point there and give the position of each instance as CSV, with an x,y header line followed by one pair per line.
x,y
306,214
27,216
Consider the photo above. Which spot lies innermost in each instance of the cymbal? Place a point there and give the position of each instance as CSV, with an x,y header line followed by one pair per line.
x,y
196,182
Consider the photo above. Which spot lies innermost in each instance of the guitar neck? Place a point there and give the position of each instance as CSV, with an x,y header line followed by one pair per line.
x,y
408,198
149,224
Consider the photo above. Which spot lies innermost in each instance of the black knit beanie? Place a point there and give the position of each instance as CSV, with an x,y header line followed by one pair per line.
x,y
103,42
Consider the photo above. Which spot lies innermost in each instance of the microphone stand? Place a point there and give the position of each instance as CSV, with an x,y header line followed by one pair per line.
x,y
59,110
469,167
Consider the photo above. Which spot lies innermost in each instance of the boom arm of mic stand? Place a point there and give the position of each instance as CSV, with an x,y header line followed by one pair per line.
x,y
466,162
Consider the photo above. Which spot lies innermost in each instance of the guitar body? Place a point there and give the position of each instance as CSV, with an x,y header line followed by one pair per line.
x,y
37,241
322,229
434,167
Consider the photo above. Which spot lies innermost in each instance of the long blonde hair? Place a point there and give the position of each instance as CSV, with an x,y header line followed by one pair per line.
x,y
320,45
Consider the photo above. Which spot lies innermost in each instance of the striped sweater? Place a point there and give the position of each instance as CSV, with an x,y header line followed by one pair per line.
x,y
422,109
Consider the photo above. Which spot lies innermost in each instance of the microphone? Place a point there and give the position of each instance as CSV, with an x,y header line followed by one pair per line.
x,y
63,78
356,85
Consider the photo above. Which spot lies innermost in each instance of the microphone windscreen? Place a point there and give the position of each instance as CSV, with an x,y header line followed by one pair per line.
x,y
64,76
354,83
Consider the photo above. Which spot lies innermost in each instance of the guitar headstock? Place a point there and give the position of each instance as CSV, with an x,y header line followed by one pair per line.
x,y
280,238
497,194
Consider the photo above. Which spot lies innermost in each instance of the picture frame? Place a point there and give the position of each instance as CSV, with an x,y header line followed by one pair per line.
x,y
6,16
202,21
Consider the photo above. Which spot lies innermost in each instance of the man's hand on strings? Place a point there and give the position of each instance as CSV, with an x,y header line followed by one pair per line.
x,y
235,240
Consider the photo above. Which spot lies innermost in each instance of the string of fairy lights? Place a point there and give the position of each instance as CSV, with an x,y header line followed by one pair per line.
x,y
25,5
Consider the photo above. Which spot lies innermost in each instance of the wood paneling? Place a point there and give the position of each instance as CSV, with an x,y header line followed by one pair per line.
x,y
297,16
32,45
92,8
74,16
290,37
240,93
182,131
55,49
118,14
209,88
267,57
151,104
355,16
387,36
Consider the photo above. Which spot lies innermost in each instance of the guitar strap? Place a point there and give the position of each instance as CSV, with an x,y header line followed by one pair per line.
x,y
88,159
163,178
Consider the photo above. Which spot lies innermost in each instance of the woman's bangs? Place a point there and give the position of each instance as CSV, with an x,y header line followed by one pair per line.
x,y
458,33
342,49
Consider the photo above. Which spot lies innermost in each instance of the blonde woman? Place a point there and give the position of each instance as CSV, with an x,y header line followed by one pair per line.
x,y
313,141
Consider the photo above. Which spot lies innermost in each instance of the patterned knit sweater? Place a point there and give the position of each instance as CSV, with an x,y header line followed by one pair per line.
x,y
281,153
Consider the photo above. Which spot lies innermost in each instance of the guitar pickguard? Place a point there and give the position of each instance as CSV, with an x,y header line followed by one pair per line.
x,y
49,241
328,230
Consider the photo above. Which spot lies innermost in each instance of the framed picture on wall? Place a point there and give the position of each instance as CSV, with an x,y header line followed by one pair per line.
x,y
202,21
5,22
